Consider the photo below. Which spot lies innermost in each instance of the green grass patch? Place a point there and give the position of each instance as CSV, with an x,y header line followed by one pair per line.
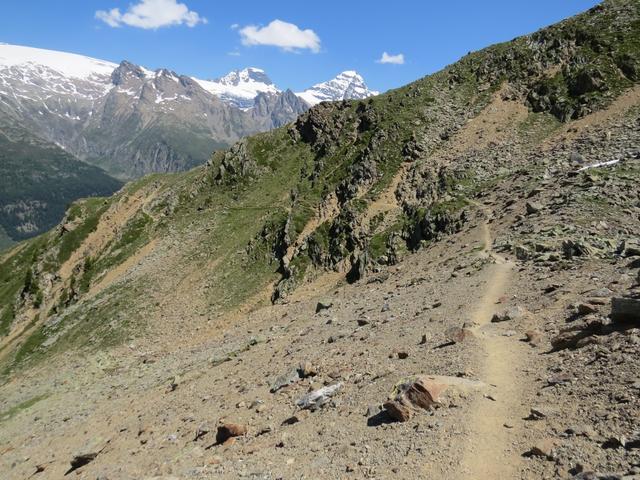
x,y
30,346
21,407
92,210
538,126
16,277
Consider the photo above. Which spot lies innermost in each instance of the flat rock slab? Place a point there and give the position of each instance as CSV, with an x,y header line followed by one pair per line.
x,y
319,397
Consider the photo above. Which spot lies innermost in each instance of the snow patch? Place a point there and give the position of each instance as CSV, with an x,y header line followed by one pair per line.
x,y
66,64
601,164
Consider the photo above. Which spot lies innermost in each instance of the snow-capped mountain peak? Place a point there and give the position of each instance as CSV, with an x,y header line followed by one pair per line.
x,y
247,75
65,64
240,87
346,85
38,74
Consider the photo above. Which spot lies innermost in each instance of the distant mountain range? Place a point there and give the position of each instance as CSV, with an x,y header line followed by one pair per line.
x,y
241,87
131,121
57,109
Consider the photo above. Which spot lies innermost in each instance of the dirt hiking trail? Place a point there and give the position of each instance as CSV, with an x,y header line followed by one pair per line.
x,y
488,452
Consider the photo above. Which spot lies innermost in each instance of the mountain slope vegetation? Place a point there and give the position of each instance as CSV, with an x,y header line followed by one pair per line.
x,y
247,208
509,178
5,240
39,180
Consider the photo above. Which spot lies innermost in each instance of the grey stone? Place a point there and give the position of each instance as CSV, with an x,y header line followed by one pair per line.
x,y
285,380
319,397
533,207
575,157
513,313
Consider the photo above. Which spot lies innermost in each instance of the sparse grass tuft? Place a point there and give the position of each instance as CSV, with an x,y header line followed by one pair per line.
x,y
16,409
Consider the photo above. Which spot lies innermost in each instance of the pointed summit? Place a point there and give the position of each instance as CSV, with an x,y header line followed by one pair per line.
x,y
247,75
126,70
240,87
348,85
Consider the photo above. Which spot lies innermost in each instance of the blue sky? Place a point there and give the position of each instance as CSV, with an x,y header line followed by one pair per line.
x,y
312,42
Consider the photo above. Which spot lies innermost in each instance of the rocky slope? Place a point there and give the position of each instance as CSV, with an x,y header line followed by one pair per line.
x,y
400,287
131,121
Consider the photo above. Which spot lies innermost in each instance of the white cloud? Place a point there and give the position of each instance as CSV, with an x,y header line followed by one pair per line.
x,y
286,36
152,14
394,59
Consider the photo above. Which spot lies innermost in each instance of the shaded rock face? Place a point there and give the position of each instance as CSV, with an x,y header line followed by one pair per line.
x,y
432,225
625,310
125,71
586,81
274,110
322,126
229,431
235,164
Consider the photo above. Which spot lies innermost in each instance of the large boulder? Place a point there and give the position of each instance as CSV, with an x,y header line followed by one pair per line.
x,y
408,397
424,392
228,431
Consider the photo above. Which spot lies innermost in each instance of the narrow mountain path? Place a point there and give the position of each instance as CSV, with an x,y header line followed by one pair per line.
x,y
488,448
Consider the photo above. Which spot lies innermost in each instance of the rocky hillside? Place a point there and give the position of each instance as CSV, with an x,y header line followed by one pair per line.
x,y
5,240
398,287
